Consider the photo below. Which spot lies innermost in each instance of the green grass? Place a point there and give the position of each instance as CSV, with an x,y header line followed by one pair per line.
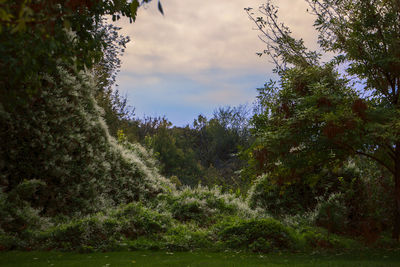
x,y
194,259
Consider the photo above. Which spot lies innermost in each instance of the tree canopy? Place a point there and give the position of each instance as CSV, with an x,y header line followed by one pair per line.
x,y
58,62
39,35
315,116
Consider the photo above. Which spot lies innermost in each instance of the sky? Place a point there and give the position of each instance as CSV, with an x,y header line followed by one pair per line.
x,y
199,56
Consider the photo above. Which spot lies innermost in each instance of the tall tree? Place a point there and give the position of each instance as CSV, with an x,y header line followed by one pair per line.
x,y
116,110
52,136
314,116
37,36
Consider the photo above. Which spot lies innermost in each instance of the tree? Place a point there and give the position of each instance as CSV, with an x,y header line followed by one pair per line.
x,y
314,117
206,152
116,110
55,145
219,141
37,36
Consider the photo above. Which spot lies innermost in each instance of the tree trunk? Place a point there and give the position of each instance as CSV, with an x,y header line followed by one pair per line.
x,y
396,221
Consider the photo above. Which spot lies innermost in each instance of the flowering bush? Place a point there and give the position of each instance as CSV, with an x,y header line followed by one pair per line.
x,y
203,205
61,140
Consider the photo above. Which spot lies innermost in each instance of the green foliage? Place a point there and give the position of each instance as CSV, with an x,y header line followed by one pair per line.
x,y
84,233
315,118
311,110
372,196
66,183
172,158
144,243
53,134
186,237
190,209
218,143
204,206
260,235
205,153
106,231
301,195
18,220
277,200
105,72
320,239
138,221
172,147
386,242
82,169
332,213
36,35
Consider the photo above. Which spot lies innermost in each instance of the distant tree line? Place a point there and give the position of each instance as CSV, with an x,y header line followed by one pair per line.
x,y
207,152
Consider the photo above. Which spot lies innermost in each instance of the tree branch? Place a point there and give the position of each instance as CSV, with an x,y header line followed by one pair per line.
x,y
377,160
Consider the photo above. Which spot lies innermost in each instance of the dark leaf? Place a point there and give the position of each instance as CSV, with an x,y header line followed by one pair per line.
x,y
134,8
160,8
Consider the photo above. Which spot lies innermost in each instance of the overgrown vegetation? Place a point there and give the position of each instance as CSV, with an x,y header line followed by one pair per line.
x,y
206,152
315,119
316,168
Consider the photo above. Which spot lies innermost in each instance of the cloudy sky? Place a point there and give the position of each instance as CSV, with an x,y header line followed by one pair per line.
x,y
199,56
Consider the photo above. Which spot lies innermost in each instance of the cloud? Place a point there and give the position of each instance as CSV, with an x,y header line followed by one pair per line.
x,y
201,53
195,35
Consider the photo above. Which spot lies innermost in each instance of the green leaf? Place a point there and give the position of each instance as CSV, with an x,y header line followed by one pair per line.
x,y
134,7
67,24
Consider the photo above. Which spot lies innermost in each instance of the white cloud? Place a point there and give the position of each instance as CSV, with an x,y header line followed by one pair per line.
x,y
204,42
195,35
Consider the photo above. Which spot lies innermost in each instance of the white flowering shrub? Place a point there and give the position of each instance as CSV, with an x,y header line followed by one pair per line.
x,y
58,137
106,230
67,184
203,205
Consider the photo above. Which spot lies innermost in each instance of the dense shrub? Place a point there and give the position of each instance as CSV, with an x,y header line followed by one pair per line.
x,y
203,206
107,230
58,137
277,200
281,196
261,235
136,220
369,201
319,238
332,213
73,168
362,203
16,213
186,237
385,241
19,221
144,243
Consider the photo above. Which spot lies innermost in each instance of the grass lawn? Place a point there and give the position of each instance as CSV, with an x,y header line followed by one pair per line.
x,y
193,259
